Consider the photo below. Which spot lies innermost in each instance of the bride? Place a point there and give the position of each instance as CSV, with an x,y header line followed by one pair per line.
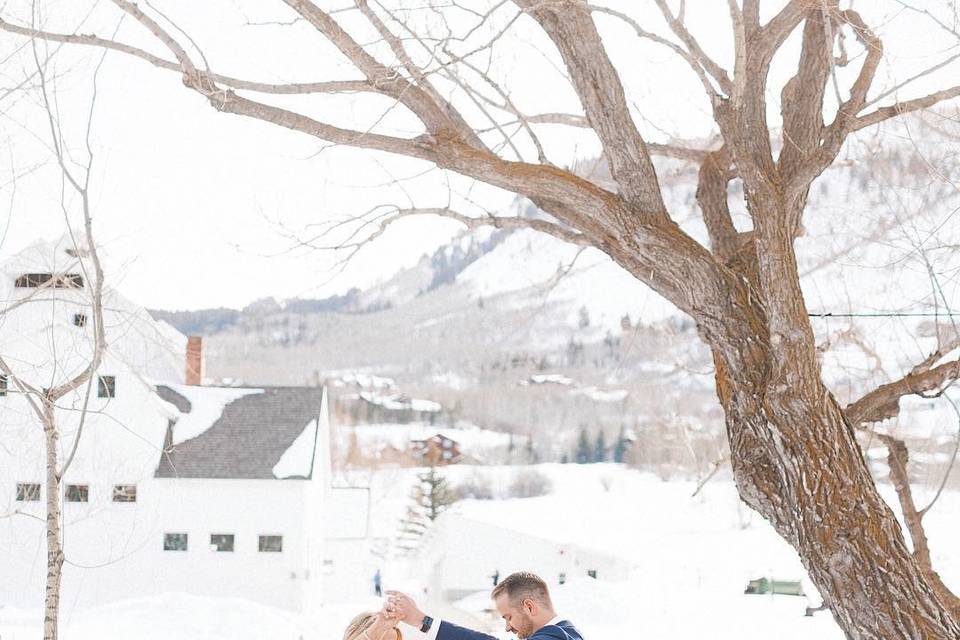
x,y
373,626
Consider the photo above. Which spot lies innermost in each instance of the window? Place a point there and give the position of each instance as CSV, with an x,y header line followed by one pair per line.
x,y
124,493
271,544
3,384
28,492
78,493
60,280
107,387
80,319
221,542
174,542
592,573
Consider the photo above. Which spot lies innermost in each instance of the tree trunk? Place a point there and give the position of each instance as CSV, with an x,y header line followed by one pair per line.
x,y
54,539
796,461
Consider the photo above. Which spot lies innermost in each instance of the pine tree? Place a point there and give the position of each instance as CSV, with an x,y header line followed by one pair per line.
x,y
620,450
429,497
584,319
433,493
584,454
600,449
532,457
412,528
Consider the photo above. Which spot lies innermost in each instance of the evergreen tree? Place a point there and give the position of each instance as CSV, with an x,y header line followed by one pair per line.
x,y
620,450
433,493
584,318
600,449
531,453
412,528
429,497
583,454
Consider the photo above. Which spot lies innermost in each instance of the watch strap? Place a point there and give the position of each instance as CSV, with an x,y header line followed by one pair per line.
x,y
426,624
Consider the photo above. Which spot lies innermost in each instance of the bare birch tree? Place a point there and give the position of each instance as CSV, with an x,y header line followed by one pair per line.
x,y
793,448
51,385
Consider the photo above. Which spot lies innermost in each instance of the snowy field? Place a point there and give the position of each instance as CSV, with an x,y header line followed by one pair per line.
x,y
690,560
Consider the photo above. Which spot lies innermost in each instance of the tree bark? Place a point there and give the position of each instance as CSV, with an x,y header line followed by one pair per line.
x,y
54,525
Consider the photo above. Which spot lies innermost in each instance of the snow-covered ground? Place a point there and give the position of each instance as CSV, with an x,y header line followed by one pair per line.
x,y
691,558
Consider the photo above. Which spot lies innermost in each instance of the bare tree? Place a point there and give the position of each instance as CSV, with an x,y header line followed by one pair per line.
x,y
793,448
52,387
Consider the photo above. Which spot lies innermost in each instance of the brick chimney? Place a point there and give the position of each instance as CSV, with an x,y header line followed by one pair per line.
x,y
195,360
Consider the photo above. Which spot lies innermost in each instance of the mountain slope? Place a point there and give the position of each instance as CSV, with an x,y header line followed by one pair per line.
x,y
469,323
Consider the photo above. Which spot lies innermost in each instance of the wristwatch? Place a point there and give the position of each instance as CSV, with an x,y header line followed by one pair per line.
x,y
426,624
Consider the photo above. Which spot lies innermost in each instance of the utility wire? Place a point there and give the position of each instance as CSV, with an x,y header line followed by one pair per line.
x,y
883,315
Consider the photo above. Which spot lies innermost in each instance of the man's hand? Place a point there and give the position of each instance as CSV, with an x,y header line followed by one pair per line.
x,y
404,608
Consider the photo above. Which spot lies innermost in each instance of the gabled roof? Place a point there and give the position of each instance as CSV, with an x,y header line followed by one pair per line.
x,y
249,437
182,404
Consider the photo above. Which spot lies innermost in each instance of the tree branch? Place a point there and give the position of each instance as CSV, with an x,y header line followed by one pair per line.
x,y
440,119
884,401
907,106
293,88
570,26
801,102
897,458
677,26
712,184
678,151
836,133
687,56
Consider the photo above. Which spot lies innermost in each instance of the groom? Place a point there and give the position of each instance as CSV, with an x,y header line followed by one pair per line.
x,y
522,599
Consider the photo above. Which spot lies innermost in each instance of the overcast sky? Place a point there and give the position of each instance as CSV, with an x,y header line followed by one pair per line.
x,y
196,208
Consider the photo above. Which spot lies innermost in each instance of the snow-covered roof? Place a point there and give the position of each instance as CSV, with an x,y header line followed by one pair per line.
x,y
377,436
400,402
234,432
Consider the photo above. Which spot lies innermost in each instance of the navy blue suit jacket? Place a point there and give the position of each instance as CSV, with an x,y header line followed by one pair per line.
x,y
563,630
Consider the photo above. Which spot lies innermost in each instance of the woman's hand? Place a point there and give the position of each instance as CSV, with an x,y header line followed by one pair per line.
x,y
403,606
383,627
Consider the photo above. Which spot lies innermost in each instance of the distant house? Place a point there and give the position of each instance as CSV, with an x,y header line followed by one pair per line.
x,y
175,486
438,450
416,444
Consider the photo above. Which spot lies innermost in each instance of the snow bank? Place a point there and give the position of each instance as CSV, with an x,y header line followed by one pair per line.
x,y
600,395
399,402
297,460
172,616
547,378
364,381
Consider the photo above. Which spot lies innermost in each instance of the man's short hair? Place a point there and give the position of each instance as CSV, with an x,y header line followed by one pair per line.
x,y
522,585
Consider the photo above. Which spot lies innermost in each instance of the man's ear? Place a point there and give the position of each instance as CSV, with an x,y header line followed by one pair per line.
x,y
530,606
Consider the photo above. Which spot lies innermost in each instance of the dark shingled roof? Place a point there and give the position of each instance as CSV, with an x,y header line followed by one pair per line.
x,y
247,440
174,398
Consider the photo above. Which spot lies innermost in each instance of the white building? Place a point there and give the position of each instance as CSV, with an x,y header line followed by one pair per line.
x,y
462,554
174,487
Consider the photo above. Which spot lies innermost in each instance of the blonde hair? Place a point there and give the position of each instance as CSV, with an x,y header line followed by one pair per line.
x,y
358,627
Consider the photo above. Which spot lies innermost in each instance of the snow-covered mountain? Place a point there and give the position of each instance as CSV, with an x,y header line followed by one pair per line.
x,y
491,309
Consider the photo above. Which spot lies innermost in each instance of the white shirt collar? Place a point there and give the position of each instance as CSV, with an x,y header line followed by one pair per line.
x,y
556,620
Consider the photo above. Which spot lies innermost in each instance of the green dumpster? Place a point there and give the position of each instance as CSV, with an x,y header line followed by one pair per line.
x,y
775,587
